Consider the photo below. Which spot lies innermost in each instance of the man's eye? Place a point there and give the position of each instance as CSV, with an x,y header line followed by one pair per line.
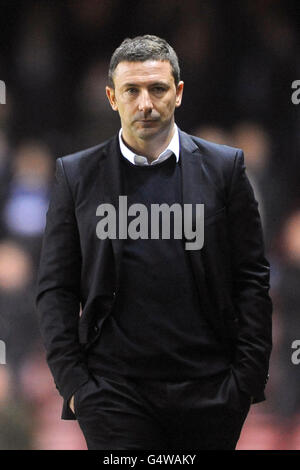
x,y
158,89
131,91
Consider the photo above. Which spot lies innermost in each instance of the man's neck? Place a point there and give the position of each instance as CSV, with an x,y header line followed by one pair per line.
x,y
150,148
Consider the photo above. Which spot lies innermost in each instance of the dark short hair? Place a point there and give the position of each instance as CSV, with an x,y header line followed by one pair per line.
x,y
142,48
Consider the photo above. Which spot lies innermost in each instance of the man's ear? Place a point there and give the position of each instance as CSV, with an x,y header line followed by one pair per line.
x,y
110,93
179,92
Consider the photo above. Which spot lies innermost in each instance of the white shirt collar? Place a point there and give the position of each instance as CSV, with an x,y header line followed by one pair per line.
x,y
172,148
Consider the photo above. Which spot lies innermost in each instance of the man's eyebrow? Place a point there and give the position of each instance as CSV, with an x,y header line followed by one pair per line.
x,y
128,85
165,84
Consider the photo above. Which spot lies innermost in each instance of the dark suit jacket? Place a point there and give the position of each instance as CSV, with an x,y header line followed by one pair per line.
x,y
79,274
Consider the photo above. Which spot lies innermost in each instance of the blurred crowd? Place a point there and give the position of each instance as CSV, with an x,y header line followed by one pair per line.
x,y
238,61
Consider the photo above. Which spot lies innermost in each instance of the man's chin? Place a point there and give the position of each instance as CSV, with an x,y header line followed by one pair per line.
x,y
150,131
147,133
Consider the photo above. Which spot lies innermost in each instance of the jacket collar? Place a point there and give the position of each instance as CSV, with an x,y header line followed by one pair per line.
x,y
172,148
111,180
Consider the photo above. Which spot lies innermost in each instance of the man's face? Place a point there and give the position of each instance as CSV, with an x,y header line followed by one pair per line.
x,y
145,97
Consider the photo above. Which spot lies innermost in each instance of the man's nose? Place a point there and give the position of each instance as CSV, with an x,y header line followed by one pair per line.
x,y
145,103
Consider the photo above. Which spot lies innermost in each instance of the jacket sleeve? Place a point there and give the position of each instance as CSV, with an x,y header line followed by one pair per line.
x,y
251,273
58,290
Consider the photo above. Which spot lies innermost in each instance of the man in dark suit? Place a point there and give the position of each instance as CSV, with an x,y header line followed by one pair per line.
x,y
153,345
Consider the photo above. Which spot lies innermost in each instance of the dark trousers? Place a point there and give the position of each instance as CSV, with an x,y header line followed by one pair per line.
x,y
117,413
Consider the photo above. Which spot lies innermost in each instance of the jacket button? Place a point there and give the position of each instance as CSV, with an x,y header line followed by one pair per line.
x,y
96,328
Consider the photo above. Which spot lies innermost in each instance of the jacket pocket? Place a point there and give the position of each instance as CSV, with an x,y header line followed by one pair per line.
x,y
77,397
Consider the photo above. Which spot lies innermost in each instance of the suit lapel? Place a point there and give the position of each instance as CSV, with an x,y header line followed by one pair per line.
x,y
191,170
112,188
194,191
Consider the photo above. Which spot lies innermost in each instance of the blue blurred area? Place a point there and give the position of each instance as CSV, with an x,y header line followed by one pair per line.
x,y
238,62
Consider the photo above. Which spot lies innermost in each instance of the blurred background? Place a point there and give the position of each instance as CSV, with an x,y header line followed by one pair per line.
x,y
238,61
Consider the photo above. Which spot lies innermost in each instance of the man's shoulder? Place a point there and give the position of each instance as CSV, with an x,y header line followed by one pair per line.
x,y
90,154
219,160
214,150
